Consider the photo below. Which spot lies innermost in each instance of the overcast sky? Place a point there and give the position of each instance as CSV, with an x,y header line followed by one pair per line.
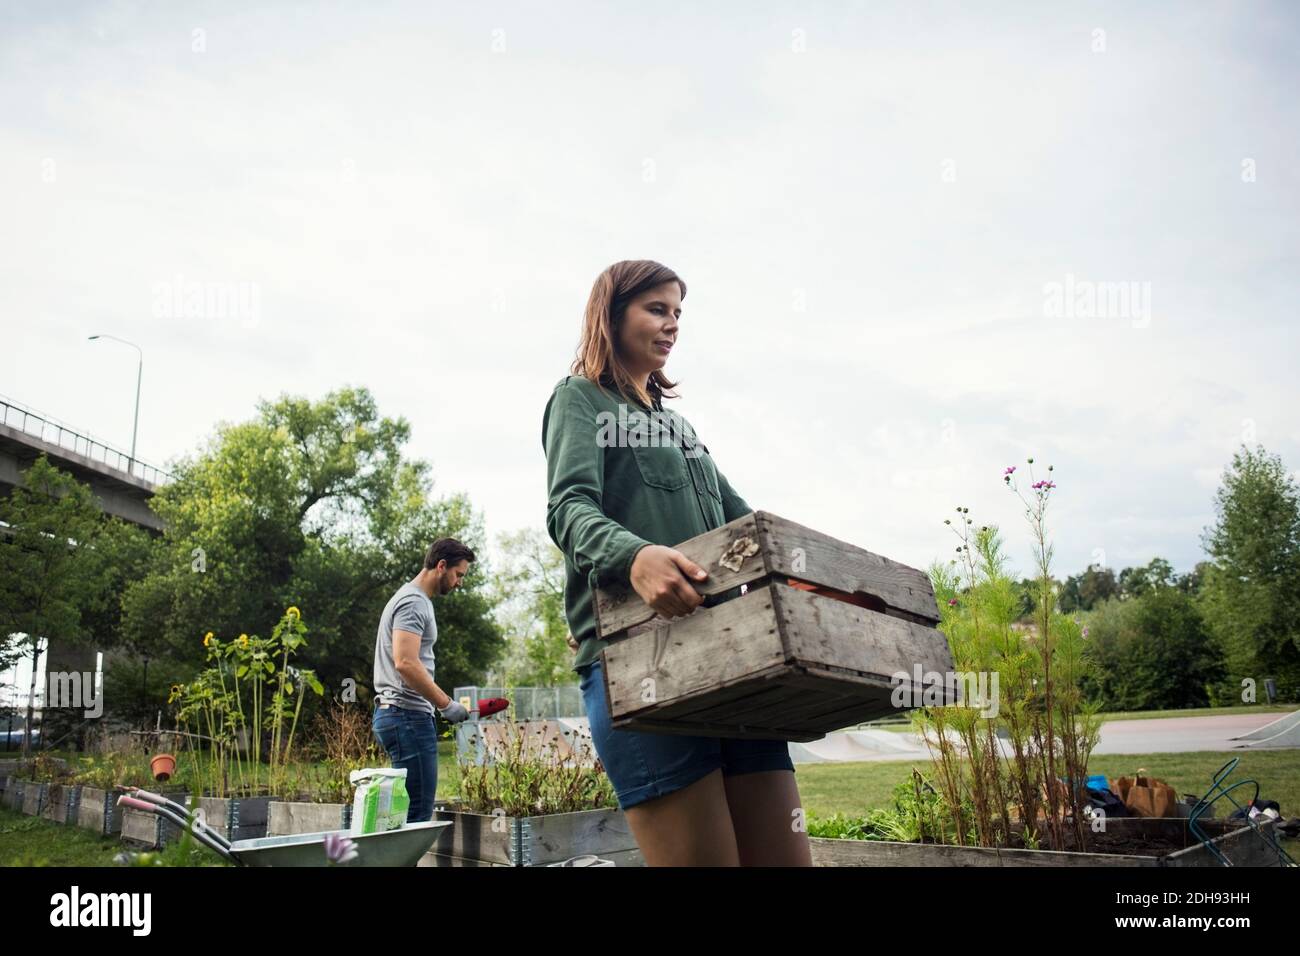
x,y
891,219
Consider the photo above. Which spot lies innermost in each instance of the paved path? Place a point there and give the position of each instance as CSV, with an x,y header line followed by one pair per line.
x,y
1178,734
1153,735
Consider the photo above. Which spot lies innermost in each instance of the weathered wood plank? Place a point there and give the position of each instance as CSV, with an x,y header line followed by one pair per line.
x,y
796,551
34,798
619,607
724,695
826,852
709,649
559,836
141,827
288,817
475,836
777,698
823,632
1242,847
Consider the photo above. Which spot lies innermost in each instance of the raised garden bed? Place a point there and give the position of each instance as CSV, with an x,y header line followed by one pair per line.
x,y
478,839
243,818
60,803
13,794
285,817
1126,842
97,810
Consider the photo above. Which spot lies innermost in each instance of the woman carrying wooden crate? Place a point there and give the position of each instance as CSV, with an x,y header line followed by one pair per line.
x,y
625,479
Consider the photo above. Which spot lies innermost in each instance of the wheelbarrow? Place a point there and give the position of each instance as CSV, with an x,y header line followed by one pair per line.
x,y
401,847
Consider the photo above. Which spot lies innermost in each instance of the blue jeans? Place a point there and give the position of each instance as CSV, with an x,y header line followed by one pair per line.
x,y
411,742
645,766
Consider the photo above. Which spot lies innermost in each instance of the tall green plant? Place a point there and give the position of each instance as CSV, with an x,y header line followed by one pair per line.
x,y
1041,712
228,704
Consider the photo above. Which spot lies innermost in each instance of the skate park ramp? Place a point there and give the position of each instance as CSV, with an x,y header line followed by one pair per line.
x,y
847,745
1279,734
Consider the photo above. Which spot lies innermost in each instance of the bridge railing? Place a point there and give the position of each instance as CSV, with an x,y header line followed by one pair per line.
x,y
53,432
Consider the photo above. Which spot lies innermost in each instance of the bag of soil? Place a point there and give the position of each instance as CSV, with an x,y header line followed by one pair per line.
x,y
381,801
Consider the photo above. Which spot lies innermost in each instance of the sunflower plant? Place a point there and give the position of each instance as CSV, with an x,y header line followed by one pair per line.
x,y
242,701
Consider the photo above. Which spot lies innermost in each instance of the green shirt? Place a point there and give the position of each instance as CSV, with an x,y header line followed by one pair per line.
x,y
617,481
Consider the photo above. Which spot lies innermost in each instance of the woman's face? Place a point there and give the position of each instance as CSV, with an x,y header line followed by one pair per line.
x,y
649,329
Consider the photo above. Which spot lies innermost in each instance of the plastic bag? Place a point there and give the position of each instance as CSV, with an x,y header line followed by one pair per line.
x,y
381,800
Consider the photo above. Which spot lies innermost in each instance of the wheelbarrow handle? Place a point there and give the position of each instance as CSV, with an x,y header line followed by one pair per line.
x,y
210,838
171,809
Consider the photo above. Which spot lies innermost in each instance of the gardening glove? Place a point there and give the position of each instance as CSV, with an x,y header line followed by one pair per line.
x,y
454,712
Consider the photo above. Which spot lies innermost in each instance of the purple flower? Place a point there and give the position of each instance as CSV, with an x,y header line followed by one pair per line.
x,y
339,848
1085,630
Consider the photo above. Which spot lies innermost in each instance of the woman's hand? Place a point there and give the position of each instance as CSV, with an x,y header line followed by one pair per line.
x,y
662,577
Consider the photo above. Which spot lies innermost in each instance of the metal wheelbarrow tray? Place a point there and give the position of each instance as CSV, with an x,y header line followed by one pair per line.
x,y
827,635
401,847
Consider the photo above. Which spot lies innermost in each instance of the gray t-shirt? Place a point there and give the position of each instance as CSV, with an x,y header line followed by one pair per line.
x,y
407,610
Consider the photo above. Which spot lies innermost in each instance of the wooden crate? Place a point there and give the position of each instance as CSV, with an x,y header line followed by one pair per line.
x,y
778,661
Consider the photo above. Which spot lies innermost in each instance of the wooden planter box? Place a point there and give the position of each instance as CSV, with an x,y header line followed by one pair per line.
x,y
61,802
33,797
285,817
477,839
235,818
13,796
141,828
777,662
1243,847
97,810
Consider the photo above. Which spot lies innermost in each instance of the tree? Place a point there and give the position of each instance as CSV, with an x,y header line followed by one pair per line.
x,y
1250,592
529,591
1190,583
312,505
61,560
1082,592
1154,652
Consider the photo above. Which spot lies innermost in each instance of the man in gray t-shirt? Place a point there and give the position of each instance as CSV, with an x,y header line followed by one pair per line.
x,y
410,610
405,692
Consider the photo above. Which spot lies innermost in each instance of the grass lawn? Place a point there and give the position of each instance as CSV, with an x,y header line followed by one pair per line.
x,y
853,788
32,841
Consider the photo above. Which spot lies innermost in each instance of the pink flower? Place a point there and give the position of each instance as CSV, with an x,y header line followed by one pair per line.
x,y
339,848
1010,470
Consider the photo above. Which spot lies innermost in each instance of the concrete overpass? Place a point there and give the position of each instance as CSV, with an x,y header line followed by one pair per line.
x,y
122,485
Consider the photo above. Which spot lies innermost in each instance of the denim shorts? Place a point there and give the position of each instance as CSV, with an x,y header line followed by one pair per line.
x,y
645,766
411,742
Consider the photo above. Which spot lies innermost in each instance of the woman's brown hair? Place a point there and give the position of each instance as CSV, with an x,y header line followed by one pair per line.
x,y
597,358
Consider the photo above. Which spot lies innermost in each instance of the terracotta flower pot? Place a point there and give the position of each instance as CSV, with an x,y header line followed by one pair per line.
x,y
162,767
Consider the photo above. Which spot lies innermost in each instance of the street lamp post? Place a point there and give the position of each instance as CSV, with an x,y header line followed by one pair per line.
x,y
139,374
